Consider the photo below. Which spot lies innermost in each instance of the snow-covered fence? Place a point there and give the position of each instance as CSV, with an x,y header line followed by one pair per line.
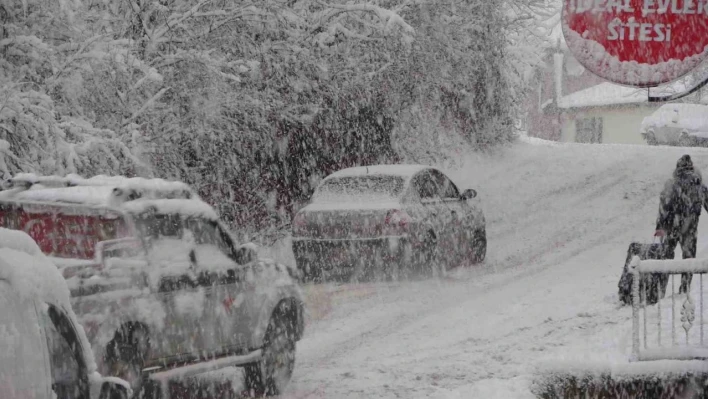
x,y
683,345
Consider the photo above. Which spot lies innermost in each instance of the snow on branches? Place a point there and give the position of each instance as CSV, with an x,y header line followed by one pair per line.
x,y
218,93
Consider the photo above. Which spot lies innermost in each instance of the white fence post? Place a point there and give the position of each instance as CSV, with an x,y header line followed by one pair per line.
x,y
634,269
673,311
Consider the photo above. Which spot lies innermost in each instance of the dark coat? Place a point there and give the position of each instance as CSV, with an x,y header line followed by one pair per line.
x,y
681,201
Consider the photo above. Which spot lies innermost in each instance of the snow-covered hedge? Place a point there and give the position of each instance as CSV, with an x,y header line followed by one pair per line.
x,y
252,102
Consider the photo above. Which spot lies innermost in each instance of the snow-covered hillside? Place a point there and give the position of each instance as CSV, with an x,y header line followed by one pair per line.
x,y
560,218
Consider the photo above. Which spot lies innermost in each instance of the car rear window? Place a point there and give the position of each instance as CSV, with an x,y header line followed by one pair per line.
x,y
63,233
373,186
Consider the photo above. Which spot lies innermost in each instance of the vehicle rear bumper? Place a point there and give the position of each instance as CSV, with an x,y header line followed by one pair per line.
x,y
326,254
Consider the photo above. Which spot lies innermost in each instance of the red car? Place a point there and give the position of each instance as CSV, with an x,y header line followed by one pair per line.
x,y
387,220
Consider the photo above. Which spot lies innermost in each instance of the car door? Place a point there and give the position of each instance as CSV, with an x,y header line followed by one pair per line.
x,y
24,371
429,196
224,280
65,354
451,216
174,282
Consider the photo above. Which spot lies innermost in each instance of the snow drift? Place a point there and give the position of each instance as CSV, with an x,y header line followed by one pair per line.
x,y
560,218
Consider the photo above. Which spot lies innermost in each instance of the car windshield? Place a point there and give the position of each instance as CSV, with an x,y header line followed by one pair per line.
x,y
369,187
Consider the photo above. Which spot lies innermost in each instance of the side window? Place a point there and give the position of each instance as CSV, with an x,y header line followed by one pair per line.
x,y
426,186
65,355
207,232
156,226
212,251
447,187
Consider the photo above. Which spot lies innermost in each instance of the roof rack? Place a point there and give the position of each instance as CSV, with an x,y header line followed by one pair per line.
x,y
27,180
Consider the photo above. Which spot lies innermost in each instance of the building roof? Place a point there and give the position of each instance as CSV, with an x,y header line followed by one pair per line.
x,y
602,95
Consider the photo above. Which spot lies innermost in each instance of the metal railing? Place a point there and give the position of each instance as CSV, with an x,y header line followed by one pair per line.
x,y
688,344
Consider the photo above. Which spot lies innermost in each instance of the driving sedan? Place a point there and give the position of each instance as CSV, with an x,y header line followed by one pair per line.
x,y
387,221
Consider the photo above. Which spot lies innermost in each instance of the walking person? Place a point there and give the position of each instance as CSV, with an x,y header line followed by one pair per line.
x,y
679,209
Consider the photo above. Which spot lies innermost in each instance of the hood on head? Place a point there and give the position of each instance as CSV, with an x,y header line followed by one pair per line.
x,y
684,169
684,163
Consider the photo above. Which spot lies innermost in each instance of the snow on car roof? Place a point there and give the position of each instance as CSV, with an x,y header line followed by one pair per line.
x,y
392,170
688,116
108,191
19,241
87,195
187,207
33,275
134,183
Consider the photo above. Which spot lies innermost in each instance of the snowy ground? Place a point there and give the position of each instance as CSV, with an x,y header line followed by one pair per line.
x,y
560,218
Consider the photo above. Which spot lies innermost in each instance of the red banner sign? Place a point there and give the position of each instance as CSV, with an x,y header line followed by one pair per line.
x,y
640,43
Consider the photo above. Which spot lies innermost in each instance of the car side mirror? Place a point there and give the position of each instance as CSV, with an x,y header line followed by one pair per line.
x,y
246,253
468,194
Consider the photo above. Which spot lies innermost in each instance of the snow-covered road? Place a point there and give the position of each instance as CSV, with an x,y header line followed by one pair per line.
x,y
559,220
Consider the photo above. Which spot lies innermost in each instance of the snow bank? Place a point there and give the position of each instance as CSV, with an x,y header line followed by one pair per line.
x,y
536,141
497,388
620,370
560,217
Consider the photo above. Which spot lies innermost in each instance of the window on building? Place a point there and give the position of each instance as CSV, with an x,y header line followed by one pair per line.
x,y
588,130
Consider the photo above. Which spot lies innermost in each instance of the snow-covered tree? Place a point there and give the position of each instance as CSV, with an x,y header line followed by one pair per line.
x,y
253,101
45,56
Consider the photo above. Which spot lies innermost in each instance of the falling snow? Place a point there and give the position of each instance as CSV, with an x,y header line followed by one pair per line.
x,y
340,196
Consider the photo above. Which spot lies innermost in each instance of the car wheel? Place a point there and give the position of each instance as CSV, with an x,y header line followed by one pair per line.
x,y
271,374
310,272
651,138
479,246
126,353
686,141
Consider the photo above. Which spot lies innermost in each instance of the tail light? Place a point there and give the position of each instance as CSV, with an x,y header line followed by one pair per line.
x,y
299,223
397,222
